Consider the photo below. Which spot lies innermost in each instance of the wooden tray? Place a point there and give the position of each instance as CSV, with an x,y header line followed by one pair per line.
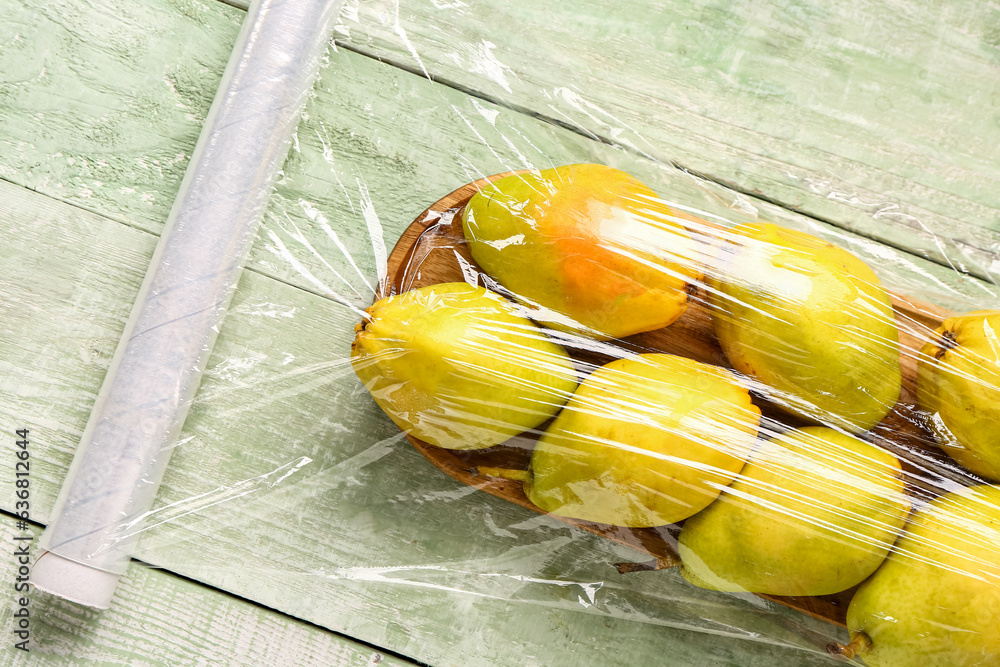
x,y
433,250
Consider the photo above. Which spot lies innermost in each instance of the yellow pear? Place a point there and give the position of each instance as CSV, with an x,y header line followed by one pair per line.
x,y
587,248
936,600
645,441
814,512
809,320
958,385
456,366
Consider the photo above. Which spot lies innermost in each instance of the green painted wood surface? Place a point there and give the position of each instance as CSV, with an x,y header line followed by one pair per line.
x,y
290,487
369,157
101,104
160,619
877,115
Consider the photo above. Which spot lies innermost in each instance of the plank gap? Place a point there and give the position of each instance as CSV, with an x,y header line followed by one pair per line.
x,y
222,591
76,205
587,134
581,131
35,524
259,271
15,517
970,271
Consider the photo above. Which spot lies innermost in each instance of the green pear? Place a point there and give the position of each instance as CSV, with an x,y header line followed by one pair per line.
x,y
456,366
936,600
645,441
958,385
809,320
587,248
814,512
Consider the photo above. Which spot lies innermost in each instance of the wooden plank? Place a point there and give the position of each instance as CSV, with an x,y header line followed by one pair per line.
x,y
364,537
292,489
101,103
365,164
876,115
159,618
109,127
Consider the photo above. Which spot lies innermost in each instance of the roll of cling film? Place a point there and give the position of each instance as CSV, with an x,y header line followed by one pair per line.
x,y
105,501
744,405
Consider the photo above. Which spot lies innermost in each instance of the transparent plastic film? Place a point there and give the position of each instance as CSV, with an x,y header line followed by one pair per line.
x,y
179,311
477,333
741,403
557,348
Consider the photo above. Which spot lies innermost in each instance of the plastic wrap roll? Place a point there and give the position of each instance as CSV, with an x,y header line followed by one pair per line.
x,y
173,326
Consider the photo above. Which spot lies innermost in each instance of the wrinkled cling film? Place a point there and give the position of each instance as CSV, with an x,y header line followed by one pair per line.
x,y
197,264
740,402
686,417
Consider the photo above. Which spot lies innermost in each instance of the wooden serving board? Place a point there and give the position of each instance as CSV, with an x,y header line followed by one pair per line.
x,y
433,250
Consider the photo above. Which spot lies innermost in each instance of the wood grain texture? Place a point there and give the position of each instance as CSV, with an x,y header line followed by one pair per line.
x,y
67,282
378,145
878,116
364,537
101,104
434,250
161,619
292,489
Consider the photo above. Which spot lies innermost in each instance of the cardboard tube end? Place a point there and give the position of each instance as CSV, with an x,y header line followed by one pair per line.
x,y
74,581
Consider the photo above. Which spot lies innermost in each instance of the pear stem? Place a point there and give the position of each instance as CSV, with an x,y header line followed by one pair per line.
x,y
523,476
660,563
947,342
859,645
